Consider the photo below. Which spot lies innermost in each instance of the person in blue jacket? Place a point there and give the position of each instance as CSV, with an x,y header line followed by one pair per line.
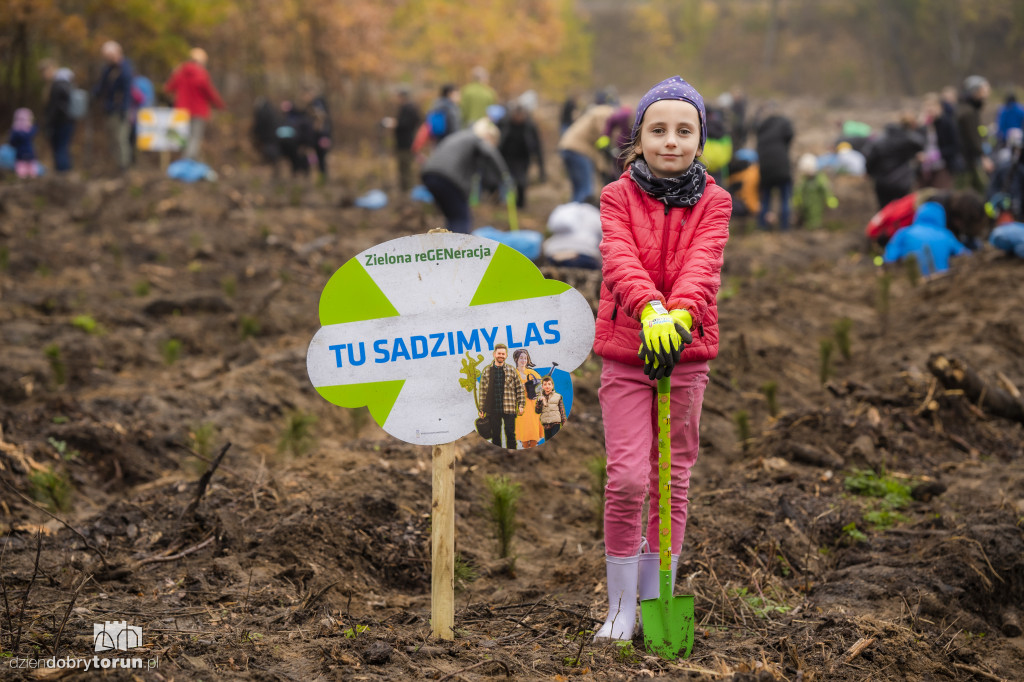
x,y
927,239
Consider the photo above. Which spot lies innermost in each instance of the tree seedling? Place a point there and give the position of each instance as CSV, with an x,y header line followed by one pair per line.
x,y
853,534
171,351
229,285
53,355
200,438
465,573
742,420
503,504
825,368
52,488
141,288
912,270
61,447
297,437
882,301
842,329
355,631
248,326
770,389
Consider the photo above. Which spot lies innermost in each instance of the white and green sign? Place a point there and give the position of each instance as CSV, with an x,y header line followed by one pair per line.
x,y
404,320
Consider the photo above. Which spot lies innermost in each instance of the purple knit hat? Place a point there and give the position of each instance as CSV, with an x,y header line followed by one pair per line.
x,y
672,88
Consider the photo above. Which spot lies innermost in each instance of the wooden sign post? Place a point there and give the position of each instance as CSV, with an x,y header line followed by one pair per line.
x,y
442,542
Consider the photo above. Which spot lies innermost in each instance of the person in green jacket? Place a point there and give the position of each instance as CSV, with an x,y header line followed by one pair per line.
x,y
812,193
476,97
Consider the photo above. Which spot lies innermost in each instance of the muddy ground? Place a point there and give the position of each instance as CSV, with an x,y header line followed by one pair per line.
x,y
146,324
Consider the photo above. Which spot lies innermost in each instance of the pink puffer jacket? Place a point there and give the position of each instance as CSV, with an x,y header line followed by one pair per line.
x,y
653,252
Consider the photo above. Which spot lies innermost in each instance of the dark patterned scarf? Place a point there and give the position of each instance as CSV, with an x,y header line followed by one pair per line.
x,y
685,190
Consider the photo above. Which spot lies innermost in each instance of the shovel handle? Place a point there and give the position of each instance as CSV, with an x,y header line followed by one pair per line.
x,y
664,476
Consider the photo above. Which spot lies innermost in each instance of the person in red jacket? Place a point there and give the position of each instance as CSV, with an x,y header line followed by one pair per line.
x,y
665,224
192,89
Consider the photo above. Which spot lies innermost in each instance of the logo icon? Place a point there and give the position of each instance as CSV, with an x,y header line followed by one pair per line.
x,y
116,635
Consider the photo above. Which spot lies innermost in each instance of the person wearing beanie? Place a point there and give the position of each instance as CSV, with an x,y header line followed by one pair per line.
x,y
664,223
192,89
23,132
812,194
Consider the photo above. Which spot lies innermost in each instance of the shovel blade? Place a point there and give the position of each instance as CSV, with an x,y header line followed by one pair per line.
x,y
668,626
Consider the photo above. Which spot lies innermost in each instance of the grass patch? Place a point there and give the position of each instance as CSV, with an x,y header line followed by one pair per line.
x,y
893,493
760,604
87,324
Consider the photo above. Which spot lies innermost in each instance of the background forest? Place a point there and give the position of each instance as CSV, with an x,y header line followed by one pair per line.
x,y
837,49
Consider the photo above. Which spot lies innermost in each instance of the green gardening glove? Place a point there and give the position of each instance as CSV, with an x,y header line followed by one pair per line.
x,y
660,341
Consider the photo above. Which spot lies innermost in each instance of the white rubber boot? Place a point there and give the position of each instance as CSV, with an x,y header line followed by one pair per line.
x,y
622,604
648,578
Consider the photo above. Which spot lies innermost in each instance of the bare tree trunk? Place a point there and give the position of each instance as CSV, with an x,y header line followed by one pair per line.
x,y
895,46
771,37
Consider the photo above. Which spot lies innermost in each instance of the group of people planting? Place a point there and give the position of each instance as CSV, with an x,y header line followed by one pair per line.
x,y
119,93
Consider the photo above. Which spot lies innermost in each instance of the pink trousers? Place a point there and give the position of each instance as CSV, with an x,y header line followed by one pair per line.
x,y
630,412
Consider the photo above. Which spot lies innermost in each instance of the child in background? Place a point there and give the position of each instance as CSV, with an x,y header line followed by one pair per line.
x,y
23,133
927,240
812,194
550,407
665,224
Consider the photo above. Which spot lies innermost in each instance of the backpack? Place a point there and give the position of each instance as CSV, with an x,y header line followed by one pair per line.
x,y
78,103
437,122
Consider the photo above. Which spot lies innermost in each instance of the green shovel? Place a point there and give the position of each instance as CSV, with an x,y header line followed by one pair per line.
x,y
668,620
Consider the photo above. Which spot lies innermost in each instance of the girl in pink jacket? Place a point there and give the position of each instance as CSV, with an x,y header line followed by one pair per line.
x,y
665,224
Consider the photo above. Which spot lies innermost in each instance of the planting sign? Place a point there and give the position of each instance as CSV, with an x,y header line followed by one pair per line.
x,y
400,319
162,129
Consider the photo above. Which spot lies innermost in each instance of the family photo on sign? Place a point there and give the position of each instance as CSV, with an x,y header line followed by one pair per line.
x,y
518,406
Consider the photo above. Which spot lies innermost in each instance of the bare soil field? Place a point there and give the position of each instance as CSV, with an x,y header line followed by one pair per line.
x,y
853,517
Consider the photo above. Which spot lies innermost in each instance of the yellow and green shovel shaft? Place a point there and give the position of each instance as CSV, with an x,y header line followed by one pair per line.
x,y
668,620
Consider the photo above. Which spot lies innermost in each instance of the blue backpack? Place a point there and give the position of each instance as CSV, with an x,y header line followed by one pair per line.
x,y
437,121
